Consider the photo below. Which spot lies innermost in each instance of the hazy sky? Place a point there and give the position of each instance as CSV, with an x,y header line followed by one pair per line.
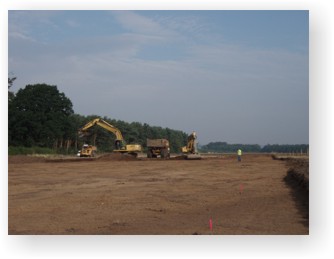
x,y
234,76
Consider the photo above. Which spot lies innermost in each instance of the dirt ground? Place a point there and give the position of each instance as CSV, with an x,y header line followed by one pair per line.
x,y
121,195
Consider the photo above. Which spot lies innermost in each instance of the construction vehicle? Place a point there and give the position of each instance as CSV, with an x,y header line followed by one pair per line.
x,y
190,150
120,145
158,147
87,151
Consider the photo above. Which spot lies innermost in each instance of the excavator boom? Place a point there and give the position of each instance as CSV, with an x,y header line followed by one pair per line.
x,y
103,124
119,142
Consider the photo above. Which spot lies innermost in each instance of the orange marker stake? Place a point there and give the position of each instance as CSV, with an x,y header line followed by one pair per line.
x,y
210,224
241,188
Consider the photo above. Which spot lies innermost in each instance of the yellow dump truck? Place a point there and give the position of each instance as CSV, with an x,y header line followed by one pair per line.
x,y
158,148
87,151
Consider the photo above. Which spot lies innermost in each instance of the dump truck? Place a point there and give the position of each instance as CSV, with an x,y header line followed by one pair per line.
x,y
87,151
158,147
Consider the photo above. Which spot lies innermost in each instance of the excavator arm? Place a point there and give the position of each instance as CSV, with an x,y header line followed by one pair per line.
x,y
191,147
103,124
119,142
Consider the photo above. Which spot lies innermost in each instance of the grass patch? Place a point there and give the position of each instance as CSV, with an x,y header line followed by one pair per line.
x,y
30,151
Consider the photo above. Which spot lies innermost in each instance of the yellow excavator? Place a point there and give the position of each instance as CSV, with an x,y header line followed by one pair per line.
x,y
190,150
120,145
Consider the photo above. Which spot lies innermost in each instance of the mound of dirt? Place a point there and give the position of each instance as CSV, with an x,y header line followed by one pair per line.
x,y
297,178
181,157
298,173
117,157
187,157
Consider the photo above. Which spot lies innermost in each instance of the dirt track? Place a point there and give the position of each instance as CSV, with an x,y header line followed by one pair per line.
x,y
108,196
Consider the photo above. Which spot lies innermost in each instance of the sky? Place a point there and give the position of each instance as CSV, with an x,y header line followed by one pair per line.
x,y
231,76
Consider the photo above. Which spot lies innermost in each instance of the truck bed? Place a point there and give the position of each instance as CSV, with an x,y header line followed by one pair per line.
x,y
157,143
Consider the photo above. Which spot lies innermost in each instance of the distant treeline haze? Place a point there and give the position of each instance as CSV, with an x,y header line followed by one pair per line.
x,y
219,147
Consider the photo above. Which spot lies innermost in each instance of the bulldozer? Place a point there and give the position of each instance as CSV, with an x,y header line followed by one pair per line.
x,y
190,150
120,145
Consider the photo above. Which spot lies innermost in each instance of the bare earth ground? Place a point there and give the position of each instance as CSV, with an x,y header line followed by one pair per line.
x,y
115,195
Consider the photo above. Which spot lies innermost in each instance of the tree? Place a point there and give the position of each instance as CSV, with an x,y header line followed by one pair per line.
x,y
229,148
39,115
10,84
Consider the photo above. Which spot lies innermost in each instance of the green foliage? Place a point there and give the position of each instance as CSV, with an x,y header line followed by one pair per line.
x,y
223,147
285,148
10,84
39,115
29,150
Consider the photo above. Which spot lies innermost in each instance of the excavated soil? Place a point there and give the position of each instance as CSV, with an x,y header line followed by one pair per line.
x,y
297,178
298,173
115,194
117,157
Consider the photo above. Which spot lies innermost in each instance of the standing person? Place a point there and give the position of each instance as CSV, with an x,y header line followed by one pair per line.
x,y
239,155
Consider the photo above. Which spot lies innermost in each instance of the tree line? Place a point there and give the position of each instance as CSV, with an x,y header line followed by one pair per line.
x,y
41,116
224,147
